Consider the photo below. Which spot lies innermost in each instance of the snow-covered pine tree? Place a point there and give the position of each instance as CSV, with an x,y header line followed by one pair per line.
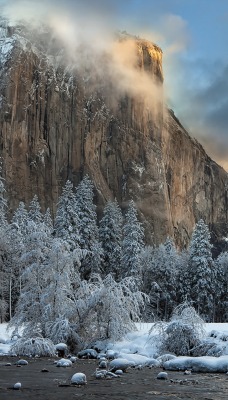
x,y
61,279
182,284
3,201
18,232
48,220
160,273
20,218
111,238
221,289
6,271
201,271
5,276
35,213
88,229
66,222
132,245
14,271
170,276
29,309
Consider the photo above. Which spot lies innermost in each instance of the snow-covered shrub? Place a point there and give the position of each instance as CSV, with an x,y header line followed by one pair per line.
x,y
207,348
62,330
33,347
182,333
117,305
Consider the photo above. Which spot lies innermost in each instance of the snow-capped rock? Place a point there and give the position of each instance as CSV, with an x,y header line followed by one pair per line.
x,y
87,353
17,386
120,363
61,346
73,359
103,364
78,379
100,374
119,372
152,362
22,362
111,354
64,363
162,375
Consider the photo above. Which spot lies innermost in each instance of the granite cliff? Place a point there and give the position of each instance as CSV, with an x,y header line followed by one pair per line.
x,y
60,120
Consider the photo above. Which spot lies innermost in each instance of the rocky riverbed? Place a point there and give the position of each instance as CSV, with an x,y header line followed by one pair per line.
x,y
42,380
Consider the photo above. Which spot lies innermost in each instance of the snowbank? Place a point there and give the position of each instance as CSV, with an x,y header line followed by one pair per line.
x,y
138,359
5,339
198,364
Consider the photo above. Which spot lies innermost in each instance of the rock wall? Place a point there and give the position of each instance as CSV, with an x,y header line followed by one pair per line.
x,y
56,124
197,186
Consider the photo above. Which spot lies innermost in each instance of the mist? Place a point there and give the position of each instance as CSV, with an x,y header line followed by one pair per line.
x,y
89,32
89,28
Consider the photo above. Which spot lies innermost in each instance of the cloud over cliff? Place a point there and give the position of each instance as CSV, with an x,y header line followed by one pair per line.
x,y
88,32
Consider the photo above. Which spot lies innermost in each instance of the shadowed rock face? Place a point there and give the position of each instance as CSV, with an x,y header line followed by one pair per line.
x,y
197,186
59,122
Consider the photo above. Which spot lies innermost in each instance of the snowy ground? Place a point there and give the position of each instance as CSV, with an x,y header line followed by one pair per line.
x,y
136,348
138,341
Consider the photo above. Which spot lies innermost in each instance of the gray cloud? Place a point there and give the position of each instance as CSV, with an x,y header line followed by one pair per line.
x,y
197,90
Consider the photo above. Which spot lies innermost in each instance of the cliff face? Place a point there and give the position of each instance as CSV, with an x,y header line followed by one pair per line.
x,y
59,122
197,186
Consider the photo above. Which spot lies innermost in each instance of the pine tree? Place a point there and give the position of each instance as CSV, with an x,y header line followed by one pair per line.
x,y
221,287
111,238
33,259
132,244
4,277
88,229
67,220
182,282
48,220
5,255
160,277
201,271
3,201
20,218
19,230
35,210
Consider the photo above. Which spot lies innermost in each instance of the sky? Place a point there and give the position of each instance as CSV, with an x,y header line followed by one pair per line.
x,y
193,35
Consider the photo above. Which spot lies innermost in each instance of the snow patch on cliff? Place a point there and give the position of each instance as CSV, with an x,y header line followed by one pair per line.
x,y
6,47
